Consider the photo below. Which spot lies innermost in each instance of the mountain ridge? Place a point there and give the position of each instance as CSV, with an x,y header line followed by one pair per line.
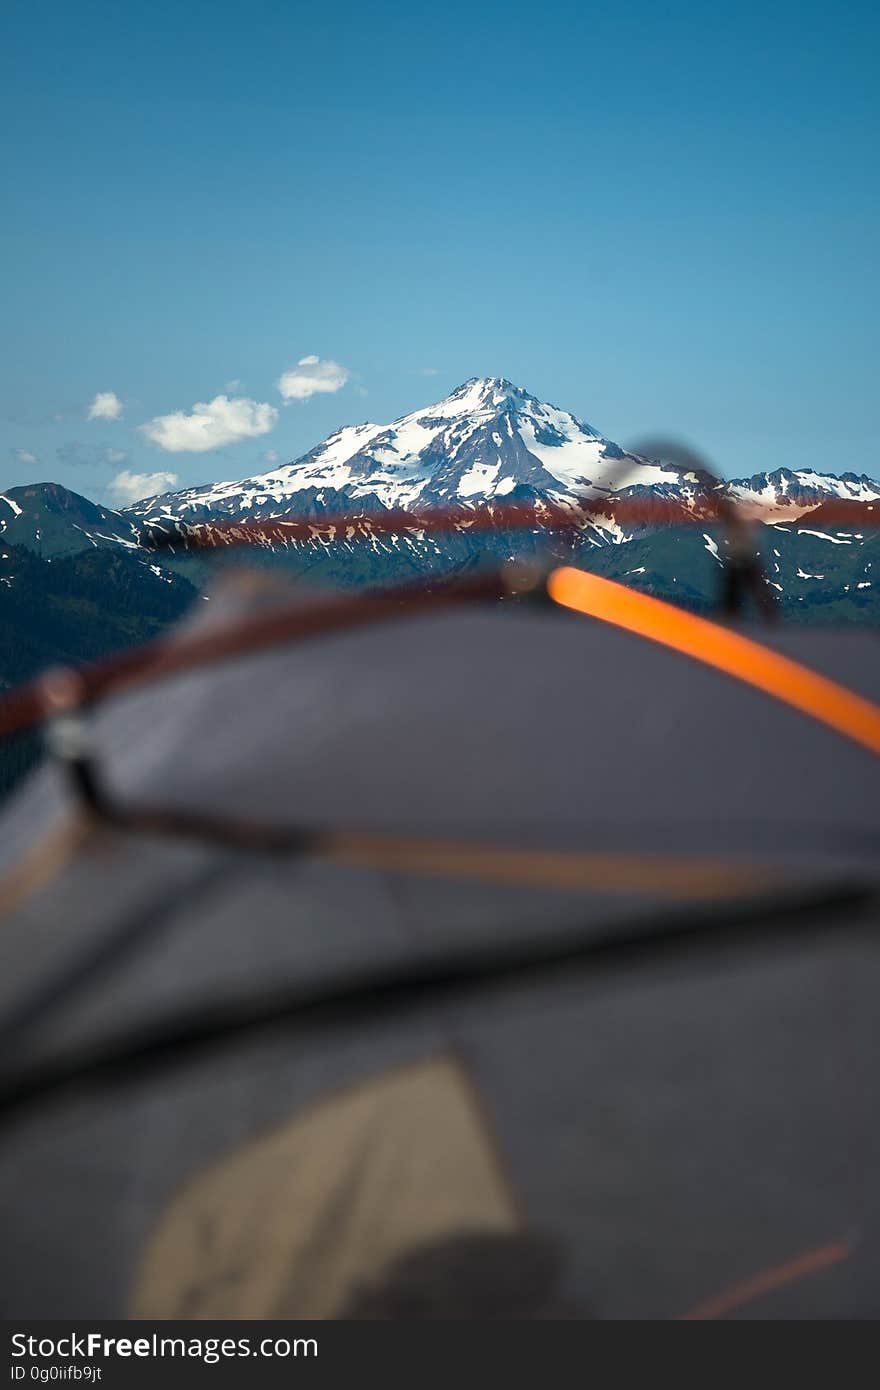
x,y
488,444
487,440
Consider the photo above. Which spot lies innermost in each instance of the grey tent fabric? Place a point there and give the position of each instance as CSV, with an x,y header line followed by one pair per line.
x,y
670,1129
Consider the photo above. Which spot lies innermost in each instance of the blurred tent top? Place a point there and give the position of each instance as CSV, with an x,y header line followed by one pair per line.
x,y
570,1013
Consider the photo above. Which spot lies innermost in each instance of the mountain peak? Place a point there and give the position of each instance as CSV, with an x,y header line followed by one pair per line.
x,y
52,520
489,384
484,393
487,440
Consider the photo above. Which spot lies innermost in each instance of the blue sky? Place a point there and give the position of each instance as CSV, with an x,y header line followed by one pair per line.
x,y
661,217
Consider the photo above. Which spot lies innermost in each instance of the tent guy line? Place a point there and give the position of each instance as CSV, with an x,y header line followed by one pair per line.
x,y
706,641
509,516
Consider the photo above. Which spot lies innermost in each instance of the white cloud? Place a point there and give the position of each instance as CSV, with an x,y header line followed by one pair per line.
x,y
429,371
310,377
127,488
271,456
210,425
25,458
116,456
232,386
105,406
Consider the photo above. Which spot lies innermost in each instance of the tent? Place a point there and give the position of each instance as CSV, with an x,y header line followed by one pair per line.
x,y
487,961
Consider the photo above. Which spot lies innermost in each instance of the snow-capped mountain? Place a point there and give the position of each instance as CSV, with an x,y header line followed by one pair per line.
x,y
489,440
488,444
491,443
784,494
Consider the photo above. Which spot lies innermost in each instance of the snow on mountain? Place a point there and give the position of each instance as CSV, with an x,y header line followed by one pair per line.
x,y
489,440
785,494
486,444
484,441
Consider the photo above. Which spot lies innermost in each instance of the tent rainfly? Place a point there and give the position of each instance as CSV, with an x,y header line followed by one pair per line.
x,y
488,961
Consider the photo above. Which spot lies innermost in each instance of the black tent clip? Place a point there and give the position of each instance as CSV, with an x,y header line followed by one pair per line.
x,y
69,741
